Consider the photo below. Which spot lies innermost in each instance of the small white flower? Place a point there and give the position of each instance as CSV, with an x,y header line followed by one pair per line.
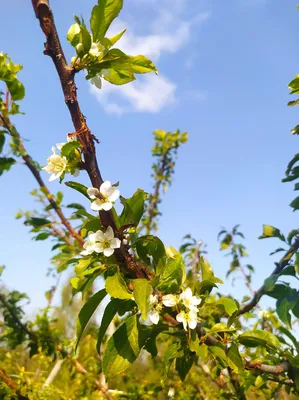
x,y
106,242
89,245
56,165
171,392
156,307
104,198
187,319
96,49
189,300
170,300
97,80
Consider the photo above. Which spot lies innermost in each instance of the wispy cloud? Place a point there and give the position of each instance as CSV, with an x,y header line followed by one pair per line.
x,y
169,32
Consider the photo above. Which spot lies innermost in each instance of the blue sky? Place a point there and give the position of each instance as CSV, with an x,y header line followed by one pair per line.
x,y
224,69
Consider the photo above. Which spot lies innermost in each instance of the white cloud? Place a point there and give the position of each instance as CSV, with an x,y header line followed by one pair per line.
x,y
169,33
150,93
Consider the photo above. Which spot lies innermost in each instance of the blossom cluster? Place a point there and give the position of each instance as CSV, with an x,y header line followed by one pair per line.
x,y
101,242
185,303
57,164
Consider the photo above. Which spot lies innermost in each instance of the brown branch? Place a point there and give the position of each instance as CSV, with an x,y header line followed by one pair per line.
x,y
32,167
12,385
284,262
66,75
269,369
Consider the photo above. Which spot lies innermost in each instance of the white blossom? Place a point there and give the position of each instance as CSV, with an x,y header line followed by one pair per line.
x,y
171,392
191,302
101,242
97,80
89,245
170,300
56,164
155,308
96,49
104,198
188,319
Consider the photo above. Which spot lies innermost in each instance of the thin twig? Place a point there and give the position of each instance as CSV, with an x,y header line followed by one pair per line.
x,y
279,267
32,167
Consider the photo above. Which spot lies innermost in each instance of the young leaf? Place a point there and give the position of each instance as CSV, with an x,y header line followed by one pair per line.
x,y
79,187
111,41
184,364
229,305
271,231
122,349
116,287
151,246
142,291
108,316
86,313
133,208
234,355
259,338
102,16
5,164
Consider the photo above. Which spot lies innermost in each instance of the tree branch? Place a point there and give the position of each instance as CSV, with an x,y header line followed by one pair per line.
x,y
66,75
269,369
284,262
12,385
32,167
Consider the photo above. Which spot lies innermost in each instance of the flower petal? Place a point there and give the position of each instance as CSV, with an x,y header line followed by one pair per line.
x,y
107,206
169,300
96,205
99,236
109,234
98,247
114,194
115,243
105,188
108,252
93,192
154,317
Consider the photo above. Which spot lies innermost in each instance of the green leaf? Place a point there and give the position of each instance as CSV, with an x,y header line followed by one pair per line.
x,y
284,306
271,231
73,35
205,286
172,272
102,16
86,313
219,354
37,222
173,351
77,186
68,148
229,305
184,364
151,246
234,355
135,64
119,77
116,287
2,140
259,338
295,204
142,291
42,236
83,263
286,332
122,349
207,271
6,163
108,316
107,43
133,208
